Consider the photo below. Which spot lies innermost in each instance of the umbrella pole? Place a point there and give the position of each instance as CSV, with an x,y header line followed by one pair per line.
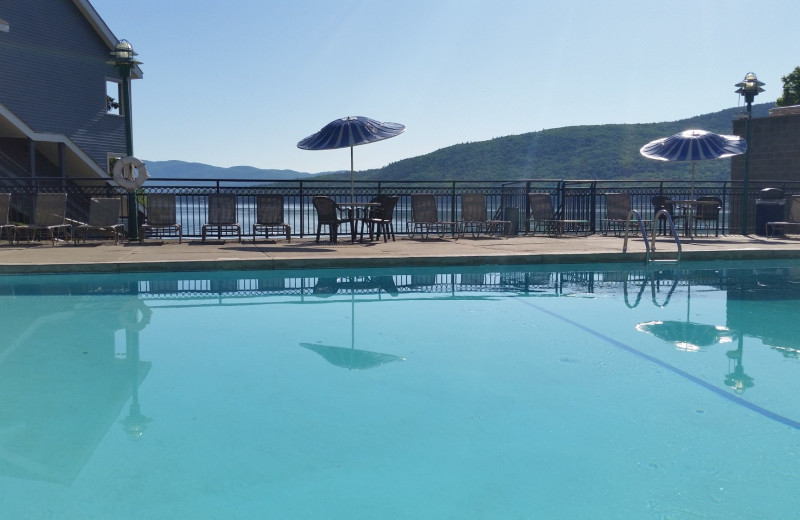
x,y
691,196
352,188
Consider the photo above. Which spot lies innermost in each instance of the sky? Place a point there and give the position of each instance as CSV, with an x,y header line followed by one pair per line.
x,y
240,82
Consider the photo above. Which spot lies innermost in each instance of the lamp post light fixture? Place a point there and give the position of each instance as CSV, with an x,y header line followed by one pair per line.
x,y
124,59
750,87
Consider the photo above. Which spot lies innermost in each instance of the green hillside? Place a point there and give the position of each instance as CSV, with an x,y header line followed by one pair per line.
x,y
578,152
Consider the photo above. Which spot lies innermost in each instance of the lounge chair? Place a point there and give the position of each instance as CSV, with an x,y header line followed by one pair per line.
x,y
791,223
103,217
49,217
542,217
380,219
161,214
269,215
328,215
5,223
618,206
425,217
474,217
706,214
221,215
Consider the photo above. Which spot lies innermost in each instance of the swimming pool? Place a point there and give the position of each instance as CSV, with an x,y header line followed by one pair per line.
x,y
596,391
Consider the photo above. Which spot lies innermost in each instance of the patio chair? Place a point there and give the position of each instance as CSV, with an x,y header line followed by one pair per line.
x,y
791,223
618,206
161,214
706,214
49,217
269,215
380,219
425,217
474,217
221,215
543,217
328,215
103,217
5,223
661,202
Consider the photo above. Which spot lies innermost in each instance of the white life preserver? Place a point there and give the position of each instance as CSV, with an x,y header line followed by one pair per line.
x,y
130,173
135,315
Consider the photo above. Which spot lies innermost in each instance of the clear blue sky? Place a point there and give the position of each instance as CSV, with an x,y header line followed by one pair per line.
x,y
240,82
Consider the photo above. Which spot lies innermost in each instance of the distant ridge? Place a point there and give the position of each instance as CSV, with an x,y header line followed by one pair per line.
x,y
192,170
601,152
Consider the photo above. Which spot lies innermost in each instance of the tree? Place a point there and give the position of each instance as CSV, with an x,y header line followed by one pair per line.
x,y
791,89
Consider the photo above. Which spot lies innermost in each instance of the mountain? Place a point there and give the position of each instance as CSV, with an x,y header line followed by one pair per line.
x,y
601,152
191,170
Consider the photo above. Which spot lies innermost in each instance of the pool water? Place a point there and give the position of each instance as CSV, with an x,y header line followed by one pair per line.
x,y
597,391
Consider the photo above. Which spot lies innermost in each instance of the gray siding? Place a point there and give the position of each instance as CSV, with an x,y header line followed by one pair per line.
x,y
53,74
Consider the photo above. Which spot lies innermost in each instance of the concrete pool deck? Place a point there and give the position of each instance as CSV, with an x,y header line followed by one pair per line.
x,y
301,253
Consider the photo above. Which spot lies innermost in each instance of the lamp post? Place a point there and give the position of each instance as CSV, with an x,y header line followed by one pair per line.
x,y
750,87
123,58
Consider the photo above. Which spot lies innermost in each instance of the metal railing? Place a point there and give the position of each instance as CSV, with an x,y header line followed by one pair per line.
x,y
574,199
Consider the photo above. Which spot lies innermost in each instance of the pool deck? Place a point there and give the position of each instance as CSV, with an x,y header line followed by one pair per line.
x,y
302,253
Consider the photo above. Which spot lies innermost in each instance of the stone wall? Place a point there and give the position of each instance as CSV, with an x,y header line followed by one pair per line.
x,y
774,146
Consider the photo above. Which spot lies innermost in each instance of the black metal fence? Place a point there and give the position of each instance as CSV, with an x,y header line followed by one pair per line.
x,y
506,200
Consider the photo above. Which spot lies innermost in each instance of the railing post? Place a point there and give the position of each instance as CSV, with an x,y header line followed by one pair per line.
x,y
301,205
453,202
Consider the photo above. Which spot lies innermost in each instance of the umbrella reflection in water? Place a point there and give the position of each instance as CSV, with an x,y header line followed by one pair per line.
x,y
351,357
687,335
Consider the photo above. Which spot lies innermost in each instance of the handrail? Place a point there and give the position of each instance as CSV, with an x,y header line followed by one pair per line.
x,y
666,214
635,214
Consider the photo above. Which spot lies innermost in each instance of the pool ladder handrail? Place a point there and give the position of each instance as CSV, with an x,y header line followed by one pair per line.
x,y
634,215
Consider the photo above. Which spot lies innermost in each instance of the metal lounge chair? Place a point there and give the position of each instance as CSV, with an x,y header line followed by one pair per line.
x,y
49,217
543,217
791,223
5,223
161,214
328,215
221,215
474,217
618,205
425,217
380,219
269,215
103,217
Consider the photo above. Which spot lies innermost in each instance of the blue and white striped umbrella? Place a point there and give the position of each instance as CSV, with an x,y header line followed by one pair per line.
x,y
694,145
349,132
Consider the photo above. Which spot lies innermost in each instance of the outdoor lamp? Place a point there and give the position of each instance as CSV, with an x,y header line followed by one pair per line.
x,y
750,87
124,60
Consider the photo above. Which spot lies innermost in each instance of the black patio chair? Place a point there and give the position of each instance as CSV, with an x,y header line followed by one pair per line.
x,y
328,215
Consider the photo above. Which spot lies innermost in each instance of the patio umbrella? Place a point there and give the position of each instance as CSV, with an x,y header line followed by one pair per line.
x,y
349,132
694,145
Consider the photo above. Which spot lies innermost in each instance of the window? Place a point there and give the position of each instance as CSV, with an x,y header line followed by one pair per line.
x,y
113,98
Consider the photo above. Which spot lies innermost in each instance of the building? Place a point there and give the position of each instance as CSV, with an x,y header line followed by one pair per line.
x,y
774,149
774,146
58,93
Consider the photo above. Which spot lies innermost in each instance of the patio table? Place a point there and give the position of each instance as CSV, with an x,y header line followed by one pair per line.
x,y
354,211
688,208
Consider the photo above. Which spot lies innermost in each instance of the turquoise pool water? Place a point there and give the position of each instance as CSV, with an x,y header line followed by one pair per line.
x,y
598,391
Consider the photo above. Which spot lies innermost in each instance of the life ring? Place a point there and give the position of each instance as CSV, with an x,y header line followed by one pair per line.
x,y
135,315
130,173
